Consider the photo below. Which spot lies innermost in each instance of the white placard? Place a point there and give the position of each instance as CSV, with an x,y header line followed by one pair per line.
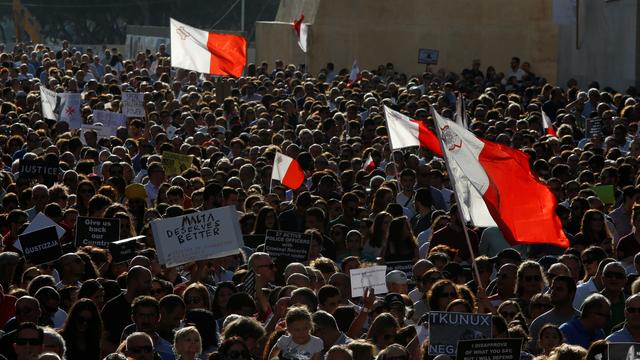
x,y
109,118
133,104
40,222
370,277
199,236
101,131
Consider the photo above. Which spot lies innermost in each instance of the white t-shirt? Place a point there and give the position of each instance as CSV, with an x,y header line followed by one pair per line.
x,y
293,351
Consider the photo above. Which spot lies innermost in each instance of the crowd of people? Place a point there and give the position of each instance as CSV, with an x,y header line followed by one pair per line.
x,y
563,303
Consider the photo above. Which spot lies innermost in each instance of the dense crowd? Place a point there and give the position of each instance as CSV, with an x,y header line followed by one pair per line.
x,y
563,303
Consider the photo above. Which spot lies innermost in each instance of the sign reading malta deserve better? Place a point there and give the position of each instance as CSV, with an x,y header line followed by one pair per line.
x,y
197,236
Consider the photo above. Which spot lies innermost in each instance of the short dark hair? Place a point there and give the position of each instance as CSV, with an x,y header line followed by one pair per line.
x,y
144,301
30,326
568,281
326,292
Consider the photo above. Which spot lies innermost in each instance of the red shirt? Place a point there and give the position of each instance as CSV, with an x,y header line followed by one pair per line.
x,y
7,308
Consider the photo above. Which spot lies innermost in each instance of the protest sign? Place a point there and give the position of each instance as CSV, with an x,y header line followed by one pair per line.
x,y
605,193
624,351
68,108
45,172
101,132
370,277
405,266
594,127
40,246
428,56
97,231
48,99
174,163
109,119
489,349
41,221
198,236
249,283
133,104
125,249
292,245
447,328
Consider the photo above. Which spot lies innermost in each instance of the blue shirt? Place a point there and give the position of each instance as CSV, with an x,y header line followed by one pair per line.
x,y
621,336
576,334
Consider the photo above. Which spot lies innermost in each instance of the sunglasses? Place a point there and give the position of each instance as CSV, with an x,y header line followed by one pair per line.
x,y
531,278
28,341
542,305
633,310
238,354
86,320
193,300
508,314
451,294
140,349
615,275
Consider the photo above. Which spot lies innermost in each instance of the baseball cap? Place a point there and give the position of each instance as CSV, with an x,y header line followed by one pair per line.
x,y
508,254
392,298
397,277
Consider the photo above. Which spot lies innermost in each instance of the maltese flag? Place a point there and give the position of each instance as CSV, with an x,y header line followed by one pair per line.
x,y
207,52
302,31
287,171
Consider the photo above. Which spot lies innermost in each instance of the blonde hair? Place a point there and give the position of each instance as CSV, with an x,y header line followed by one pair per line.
x,y
182,334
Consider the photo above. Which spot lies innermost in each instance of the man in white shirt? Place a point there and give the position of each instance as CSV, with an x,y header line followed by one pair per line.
x,y
156,178
514,71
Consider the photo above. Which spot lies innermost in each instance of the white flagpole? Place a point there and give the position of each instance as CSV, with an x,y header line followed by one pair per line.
x,y
458,203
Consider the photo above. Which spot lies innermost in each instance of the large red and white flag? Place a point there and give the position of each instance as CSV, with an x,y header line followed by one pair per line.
x,y
287,171
547,125
302,32
406,132
207,52
523,207
369,165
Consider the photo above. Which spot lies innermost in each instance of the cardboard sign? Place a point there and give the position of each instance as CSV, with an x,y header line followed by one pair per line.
x,y
489,349
174,163
41,221
594,127
447,328
606,193
46,172
109,119
428,56
292,245
370,277
249,283
133,104
199,236
125,249
40,246
405,266
97,231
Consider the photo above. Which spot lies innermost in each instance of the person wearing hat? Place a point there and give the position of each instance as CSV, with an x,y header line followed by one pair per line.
x,y
395,303
397,282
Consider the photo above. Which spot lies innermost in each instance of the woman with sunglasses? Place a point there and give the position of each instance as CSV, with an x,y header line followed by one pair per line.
x,y
84,192
441,294
233,348
82,331
594,230
530,280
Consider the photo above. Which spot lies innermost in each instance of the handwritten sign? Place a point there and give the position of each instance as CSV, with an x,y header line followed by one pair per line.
x,y
447,328
133,104
292,245
174,163
203,235
370,277
405,266
101,132
97,231
109,118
